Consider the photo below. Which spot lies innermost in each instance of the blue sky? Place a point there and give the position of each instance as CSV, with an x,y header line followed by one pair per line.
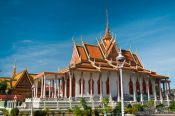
x,y
38,34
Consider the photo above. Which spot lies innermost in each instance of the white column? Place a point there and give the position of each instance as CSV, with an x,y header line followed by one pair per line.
x,y
58,88
148,89
134,88
65,88
91,87
33,89
37,88
41,96
161,99
52,85
141,90
49,87
155,96
101,93
167,93
70,86
81,86
55,88
110,96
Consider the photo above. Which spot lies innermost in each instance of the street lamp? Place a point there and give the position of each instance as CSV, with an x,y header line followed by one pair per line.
x,y
121,60
33,87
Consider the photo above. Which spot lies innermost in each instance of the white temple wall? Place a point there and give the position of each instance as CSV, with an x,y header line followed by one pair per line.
x,y
126,79
77,78
113,77
113,83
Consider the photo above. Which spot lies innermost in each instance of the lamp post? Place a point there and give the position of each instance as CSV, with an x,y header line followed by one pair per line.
x,y
121,60
33,87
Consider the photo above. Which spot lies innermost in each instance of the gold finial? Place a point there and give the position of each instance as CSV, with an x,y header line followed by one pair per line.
x,y
107,23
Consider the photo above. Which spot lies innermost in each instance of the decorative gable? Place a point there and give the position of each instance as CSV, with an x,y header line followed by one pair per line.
x,y
75,56
24,82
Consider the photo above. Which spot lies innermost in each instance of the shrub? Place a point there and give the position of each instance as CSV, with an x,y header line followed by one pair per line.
x,y
83,103
105,101
87,111
172,106
40,113
77,111
107,109
46,110
131,110
117,108
14,112
96,112
160,105
150,103
5,112
139,107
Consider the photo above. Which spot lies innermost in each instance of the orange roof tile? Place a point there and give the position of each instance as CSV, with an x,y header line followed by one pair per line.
x,y
94,51
82,52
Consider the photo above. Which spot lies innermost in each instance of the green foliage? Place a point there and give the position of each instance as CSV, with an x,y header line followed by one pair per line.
x,y
150,103
83,103
77,111
87,111
5,112
96,112
117,108
107,109
131,110
3,87
139,107
160,106
40,113
69,110
105,101
172,106
46,110
14,112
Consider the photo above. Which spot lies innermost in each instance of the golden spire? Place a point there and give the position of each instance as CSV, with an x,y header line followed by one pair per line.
x,y
107,23
107,32
14,70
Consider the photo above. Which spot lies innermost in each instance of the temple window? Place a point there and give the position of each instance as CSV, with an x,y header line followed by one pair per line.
x,y
137,87
73,86
150,87
98,85
83,86
63,86
91,84
80,86
144,86
107,86
130,86
67,87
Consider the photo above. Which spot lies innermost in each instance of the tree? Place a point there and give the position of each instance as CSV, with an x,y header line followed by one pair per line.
x,y
3,86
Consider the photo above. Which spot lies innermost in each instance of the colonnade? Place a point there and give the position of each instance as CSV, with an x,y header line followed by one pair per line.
x,y
55,85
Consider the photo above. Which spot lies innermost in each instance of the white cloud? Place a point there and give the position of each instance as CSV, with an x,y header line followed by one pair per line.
x,y
37,57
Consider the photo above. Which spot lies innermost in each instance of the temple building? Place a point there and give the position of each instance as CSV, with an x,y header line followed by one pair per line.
x,y
94,73
19,85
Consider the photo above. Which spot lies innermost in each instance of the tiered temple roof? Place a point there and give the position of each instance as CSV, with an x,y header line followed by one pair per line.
x,y
86,57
